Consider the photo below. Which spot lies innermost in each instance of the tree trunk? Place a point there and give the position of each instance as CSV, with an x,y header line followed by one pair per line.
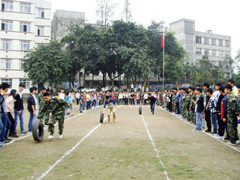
x,y
104,79
92,80
84,79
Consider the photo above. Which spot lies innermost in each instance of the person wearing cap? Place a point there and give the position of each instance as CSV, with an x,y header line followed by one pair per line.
x,y
110,105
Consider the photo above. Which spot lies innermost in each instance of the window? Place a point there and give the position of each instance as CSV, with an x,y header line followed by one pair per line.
x,y
214,52
220,53
25,27
206,40
25,7
199,51
21,64
25,45
7,26
8,81
5,64
40,31
25,82
227,43
7,5
206,52
214,41
198,39
7,44
220,42
41,13
227,54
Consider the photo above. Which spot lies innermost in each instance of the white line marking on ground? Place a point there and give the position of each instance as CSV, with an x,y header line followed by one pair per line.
x,y
234,148
25,136
155,148
70,151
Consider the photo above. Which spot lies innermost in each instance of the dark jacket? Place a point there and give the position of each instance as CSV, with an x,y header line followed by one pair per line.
x,y
1,105
18,104
200,105
225,104
218,108
30,103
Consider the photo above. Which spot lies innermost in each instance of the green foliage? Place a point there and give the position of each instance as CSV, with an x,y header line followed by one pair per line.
x,y
47,63
203,71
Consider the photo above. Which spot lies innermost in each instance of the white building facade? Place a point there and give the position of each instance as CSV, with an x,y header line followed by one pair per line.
x,y
24,25
203,45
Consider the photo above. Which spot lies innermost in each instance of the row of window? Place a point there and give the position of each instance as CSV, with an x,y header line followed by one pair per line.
x,y
21,81
7,5
7,64
212,41
23,27
8,45
212,52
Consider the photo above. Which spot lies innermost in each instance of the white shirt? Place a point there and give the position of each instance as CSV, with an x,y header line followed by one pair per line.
x,y
62,96
36,102
216,95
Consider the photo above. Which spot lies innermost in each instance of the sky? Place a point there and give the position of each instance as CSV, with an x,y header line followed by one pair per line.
x,y
220,16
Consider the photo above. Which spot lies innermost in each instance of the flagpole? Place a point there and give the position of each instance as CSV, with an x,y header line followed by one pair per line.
x,y
163,60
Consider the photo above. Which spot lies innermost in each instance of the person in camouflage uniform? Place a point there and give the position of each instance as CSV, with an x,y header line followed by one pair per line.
x,y
41,102
183,101
192,114
232,113
102,98
186,104
55,108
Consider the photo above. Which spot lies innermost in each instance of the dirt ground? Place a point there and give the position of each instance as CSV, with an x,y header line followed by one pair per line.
x,y
121,150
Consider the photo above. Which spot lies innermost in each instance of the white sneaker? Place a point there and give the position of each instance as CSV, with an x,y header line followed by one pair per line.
x,y
60,136
50,137
229,143
218,137
238,142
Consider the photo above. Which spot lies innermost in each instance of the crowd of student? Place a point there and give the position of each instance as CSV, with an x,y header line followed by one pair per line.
x,y
12,109
217,107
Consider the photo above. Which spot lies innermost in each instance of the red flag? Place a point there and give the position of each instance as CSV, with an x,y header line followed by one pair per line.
x,y
162,44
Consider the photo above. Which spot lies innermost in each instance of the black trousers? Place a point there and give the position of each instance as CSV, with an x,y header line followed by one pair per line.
x,y
126,101
177,104
220,126
208,120
11,131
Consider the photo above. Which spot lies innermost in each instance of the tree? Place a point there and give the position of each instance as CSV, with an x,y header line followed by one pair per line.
x,y
73,58
127,11
174,53
47,63
105,12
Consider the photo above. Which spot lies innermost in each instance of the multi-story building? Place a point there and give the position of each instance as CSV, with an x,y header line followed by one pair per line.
x,y
24,25
62,21
203,45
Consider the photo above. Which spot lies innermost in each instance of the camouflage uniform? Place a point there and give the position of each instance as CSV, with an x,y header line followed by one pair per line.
x,y
232,113
192,110
183,102
189,100
186,106
55,109
101,101
41,102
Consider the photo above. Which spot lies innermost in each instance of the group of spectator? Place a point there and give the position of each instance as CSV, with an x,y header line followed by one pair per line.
x,y
12,109
217,108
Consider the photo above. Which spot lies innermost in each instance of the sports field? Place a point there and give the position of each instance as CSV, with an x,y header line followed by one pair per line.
x,y
146,146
